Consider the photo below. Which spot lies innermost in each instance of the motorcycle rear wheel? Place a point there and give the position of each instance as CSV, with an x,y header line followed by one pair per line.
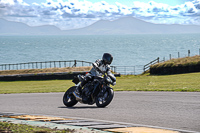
x,y
105,99
69,99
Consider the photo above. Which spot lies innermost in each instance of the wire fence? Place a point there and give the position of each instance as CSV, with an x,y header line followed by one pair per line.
x,y
129,70
46,64
188,53
124,70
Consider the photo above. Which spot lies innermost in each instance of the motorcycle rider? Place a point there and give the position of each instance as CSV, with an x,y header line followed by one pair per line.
x,y
99,67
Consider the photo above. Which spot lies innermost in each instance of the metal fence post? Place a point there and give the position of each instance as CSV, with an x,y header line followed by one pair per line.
x,y
188,53
125,70
54,64
74,63
65,63
59,64
45,64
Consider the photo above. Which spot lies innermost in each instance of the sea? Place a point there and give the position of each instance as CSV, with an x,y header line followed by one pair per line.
x,y
127,50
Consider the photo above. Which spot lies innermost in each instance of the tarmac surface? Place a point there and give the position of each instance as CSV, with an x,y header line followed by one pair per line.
x,y
175,111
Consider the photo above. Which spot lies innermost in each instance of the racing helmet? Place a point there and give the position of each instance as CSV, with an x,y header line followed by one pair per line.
x,y
107,58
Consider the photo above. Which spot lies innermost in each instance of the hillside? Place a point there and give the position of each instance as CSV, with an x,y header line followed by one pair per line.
x,y
130,25
126,25
17,28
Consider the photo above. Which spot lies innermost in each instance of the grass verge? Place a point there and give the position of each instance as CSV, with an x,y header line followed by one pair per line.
x,y
35,86
6,127
181,82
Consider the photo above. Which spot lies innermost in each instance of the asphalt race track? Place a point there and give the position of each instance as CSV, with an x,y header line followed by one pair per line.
x,y
177,110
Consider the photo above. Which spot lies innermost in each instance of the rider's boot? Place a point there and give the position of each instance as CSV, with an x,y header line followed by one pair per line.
x,y
77,92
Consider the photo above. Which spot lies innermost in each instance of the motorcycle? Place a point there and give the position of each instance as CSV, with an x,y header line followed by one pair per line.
x,y
96,91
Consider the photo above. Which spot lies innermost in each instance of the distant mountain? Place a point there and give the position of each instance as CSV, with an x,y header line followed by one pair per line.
x,y
130,25
126,25
17,28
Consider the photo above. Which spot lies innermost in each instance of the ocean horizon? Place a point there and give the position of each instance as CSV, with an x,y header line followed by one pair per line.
x,y
127,50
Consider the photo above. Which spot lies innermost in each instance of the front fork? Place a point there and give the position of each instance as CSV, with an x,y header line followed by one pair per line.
x,y
103,90
78,98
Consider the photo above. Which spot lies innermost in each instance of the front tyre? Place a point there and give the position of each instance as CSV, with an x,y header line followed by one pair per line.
x,y
102,100
69,99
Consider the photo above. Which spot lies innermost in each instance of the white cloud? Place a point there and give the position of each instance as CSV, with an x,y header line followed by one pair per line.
x,y
76,14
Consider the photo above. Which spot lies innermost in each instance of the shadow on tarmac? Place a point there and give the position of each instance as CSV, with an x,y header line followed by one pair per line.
x,y
80,107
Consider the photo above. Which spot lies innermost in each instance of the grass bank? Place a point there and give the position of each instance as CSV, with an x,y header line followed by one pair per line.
x,y
186,61
180,82
177,66
6,127
46,70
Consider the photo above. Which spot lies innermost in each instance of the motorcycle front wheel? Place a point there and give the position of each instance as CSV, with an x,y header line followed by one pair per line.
x,y
102,100
69,99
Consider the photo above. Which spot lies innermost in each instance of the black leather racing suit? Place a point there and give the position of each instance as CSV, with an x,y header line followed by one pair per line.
x,y
96,71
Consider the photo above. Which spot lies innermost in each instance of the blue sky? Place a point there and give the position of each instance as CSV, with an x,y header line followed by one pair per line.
x,y
125,2
72,14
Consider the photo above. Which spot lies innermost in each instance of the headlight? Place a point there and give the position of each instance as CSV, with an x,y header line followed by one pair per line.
x,y
114,83
108,80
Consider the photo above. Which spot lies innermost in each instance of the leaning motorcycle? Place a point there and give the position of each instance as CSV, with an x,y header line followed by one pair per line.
x,y
97,91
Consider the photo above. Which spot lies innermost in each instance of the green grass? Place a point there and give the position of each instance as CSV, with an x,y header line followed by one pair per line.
x,y
6,127
180,82
35,86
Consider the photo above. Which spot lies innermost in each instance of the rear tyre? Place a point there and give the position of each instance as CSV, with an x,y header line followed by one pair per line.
x,y
102,100
69,99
